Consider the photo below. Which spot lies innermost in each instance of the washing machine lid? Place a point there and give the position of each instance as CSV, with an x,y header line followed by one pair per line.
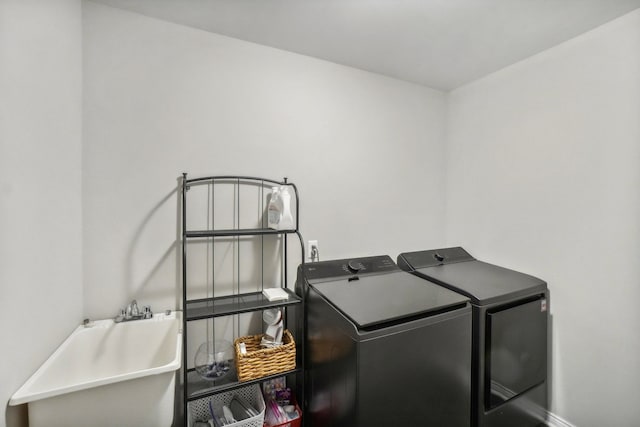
x,y
378,298
482,282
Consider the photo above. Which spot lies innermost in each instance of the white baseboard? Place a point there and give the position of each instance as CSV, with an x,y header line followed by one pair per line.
x,y
555,421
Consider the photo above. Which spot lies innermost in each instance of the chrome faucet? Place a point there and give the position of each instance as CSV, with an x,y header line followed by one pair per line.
x,y
132,312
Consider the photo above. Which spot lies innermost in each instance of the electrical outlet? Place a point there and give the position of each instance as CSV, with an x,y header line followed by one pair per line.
x,y
313,250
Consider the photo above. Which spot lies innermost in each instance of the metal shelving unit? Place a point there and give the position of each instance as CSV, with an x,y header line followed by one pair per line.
x,y
194,387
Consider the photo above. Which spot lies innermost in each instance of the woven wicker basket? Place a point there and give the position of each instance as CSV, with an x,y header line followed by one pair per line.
x,y
259,362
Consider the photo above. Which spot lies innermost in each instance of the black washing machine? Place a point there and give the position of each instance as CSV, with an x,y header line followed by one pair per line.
x,y
510,316
383,349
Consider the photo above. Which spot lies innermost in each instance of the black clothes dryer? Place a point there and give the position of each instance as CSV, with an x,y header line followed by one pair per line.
x,y
510,315
383,349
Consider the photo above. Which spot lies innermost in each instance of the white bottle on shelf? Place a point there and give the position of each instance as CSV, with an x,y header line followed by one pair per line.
x,y
274,209
286,219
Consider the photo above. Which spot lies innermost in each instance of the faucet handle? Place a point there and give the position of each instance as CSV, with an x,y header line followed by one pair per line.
x,y
147,313
134,308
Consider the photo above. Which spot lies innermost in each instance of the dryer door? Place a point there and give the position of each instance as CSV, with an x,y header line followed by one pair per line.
x,y
516,351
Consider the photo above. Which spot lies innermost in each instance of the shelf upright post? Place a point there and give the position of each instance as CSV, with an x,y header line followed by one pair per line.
x,y
184,298
285,238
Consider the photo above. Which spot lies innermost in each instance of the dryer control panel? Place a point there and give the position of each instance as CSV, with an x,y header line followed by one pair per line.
x,y
431,258
349,267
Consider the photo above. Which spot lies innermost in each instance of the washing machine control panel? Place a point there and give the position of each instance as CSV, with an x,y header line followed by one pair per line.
x,y
349,267
354,266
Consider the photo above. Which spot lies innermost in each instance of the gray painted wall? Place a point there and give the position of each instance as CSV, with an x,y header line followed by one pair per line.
x,y
161,99
40,186
543,176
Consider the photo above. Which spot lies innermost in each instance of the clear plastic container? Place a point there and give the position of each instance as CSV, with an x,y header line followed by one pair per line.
x,y
286,219
274,209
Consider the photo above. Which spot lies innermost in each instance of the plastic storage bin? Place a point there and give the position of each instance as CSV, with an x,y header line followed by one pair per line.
x,y
199,409
293,423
